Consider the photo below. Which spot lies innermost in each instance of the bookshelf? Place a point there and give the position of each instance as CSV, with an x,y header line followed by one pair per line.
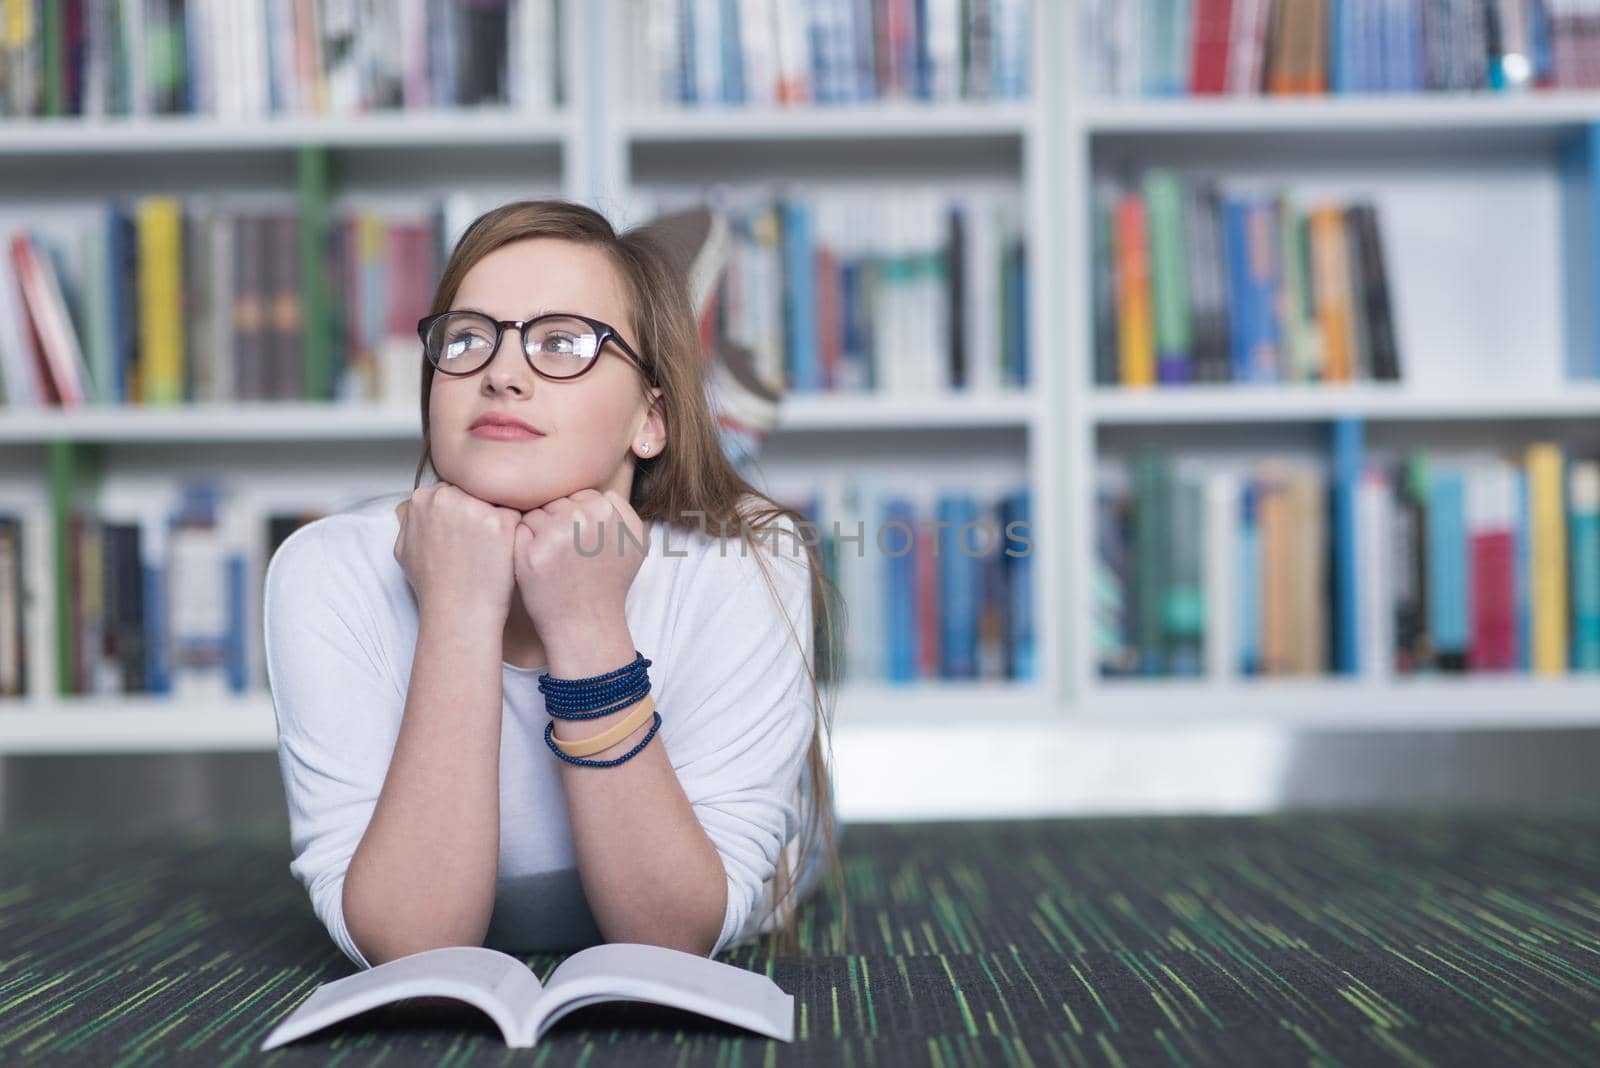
x,y
1435,159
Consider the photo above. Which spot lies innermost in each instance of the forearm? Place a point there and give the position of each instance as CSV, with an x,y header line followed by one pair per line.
x,y
649,871
424,873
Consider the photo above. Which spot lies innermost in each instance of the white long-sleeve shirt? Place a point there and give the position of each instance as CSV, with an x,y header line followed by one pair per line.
x,y
341,621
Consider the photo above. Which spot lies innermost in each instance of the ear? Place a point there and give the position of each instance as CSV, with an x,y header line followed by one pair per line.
x,y
655,421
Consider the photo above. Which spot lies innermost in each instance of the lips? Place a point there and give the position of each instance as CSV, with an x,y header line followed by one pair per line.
x,y
502,422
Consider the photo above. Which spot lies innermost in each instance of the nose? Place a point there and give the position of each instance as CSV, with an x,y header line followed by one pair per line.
x,y
508,370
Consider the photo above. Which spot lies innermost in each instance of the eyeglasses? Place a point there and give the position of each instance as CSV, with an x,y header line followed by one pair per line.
x,y
559,346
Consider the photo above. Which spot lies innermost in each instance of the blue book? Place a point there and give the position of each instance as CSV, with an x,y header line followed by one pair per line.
x,y
732,54
1449,581
1521,575
1577,169
1249,582
1235,233
958,579
899,588
805,370
687,92
1348,461
155,631
1343,53
1020,545
1584,532
236,659
1018,312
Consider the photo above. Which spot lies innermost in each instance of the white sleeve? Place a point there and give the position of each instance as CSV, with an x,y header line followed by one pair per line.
x,y
336,718
739,698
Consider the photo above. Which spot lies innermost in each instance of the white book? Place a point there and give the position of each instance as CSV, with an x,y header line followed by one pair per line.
x,y
707,16
794,57
944,49
1220,556
981,276
524,1009
1375,606
760,48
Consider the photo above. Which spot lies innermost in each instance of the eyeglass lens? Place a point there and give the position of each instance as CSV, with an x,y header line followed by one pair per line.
x,y
463,342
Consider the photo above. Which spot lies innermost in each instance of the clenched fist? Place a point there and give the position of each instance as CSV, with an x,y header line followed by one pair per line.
x,y
575,558
456,550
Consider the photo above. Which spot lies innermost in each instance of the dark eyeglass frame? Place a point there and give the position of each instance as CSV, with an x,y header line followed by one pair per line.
x,y
603,332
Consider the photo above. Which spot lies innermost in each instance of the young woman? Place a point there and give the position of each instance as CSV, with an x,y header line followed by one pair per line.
x,y
427,652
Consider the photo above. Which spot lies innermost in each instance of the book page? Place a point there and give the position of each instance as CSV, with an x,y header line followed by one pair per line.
x,y
499,984
627,971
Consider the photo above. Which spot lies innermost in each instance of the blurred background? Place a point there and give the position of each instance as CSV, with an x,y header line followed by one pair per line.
x,y
1270,327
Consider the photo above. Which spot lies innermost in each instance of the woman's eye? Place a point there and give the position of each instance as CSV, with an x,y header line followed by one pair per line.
x,y
462,344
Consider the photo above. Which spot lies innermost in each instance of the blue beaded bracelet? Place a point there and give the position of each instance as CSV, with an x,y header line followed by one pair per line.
x,y
549,684
589,762
624,700
590,698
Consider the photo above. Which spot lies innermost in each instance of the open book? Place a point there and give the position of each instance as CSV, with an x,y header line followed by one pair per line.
x,y
505,988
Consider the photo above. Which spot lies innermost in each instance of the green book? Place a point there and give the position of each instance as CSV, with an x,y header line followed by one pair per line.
x,y
311,168
1169,277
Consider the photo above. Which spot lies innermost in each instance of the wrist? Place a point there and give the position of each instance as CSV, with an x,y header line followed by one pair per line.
x,y
580,649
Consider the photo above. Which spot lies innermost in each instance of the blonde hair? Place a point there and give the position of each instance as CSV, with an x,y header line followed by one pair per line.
x,y
691,476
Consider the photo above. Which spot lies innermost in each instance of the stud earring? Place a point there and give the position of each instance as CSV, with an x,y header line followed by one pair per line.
x,y
644,446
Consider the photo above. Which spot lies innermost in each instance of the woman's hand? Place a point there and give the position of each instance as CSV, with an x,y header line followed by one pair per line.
x,y
456,551
574,560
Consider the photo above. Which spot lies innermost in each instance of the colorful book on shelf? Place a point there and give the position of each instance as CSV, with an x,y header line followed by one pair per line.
x,y
1449,603
1578,176
1584,540
1349,466
1548,546
1491,575
1136,342
58,354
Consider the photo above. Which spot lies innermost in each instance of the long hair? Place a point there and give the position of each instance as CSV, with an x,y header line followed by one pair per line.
x,y
691,476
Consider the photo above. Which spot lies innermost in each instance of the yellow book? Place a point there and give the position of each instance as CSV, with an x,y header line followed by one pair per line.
x,y
1547,544
1135,330
1331,285
160,227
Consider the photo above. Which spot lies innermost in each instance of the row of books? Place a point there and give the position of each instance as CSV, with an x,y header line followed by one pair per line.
x,y
164,597
899,290
1436,563
1281,47
250,58
937,585
1192,283
157,600
160,301
716,53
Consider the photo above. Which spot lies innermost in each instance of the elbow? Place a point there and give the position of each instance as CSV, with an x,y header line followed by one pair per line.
x,y
384,930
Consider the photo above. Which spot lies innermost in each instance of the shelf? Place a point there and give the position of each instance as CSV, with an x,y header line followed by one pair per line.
x,y
807,412
892,120
184,133
159,724
1272,403
1365,113
326,422
1456,703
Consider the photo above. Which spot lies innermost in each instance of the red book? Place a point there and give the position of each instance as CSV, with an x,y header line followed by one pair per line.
x,y
827,286
1208,68
1493,646
57,343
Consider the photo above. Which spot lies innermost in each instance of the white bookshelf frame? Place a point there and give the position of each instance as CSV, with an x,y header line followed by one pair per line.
x,y
1061,417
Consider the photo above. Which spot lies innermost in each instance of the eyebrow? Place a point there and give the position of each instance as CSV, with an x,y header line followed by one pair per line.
x,y
537,312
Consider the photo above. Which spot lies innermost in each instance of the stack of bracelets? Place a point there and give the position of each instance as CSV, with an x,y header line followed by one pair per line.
x,y
598,696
